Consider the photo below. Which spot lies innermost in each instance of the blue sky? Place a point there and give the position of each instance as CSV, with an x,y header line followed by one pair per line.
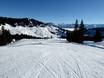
x,y
56,11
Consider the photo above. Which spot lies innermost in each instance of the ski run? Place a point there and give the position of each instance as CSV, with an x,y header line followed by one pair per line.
x,y
51,58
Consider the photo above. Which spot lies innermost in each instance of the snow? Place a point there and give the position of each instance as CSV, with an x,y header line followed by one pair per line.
x,y
50,58
35,31
69,29
97,44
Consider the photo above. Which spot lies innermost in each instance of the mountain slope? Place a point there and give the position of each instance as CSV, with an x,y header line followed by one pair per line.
x,y
28,26
53,58
41,32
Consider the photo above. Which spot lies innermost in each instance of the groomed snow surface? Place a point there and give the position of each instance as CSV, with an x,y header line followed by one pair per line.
x,y
52,58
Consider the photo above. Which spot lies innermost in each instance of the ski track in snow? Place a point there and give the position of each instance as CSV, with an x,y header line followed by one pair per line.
x,y
52,58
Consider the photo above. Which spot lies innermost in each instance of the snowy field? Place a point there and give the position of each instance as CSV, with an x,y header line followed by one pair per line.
x,y
98,44
53,58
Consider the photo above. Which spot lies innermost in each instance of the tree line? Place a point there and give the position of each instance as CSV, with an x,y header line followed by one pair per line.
x,y
6,37
78,35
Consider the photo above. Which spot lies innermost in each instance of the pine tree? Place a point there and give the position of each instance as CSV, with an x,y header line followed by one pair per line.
x,y
5,36
76,25
82,30
73,36
75,32
78,34
82,27
97,36
69,36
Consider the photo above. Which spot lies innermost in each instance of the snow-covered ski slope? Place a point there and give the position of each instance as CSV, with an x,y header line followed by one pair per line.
x,y
53,58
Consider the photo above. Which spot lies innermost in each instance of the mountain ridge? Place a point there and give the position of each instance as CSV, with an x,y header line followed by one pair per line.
x,y
20,21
